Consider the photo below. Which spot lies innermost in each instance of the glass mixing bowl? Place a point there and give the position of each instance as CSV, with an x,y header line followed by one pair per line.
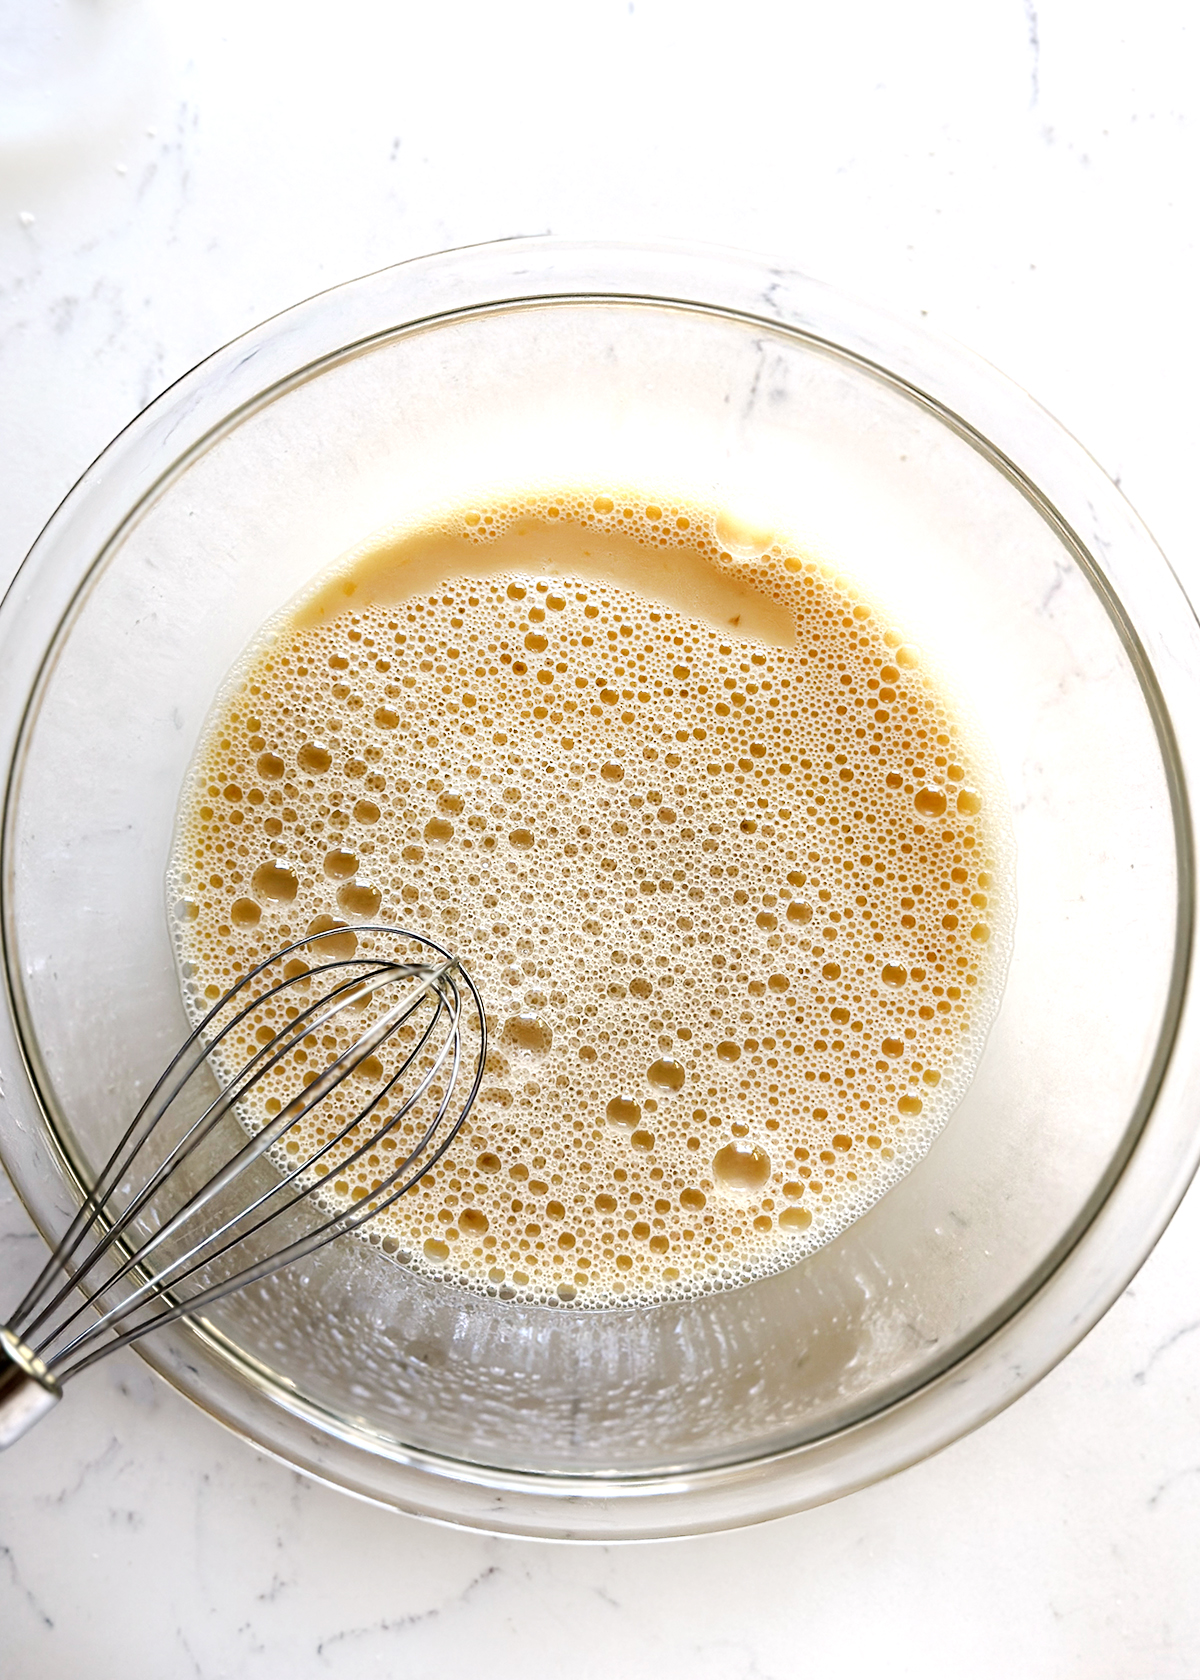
x,y
949,492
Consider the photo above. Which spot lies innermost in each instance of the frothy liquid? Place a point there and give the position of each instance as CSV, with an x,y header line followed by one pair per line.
x,y
731,873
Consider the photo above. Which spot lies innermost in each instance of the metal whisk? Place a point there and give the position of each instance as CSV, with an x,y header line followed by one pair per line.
x,y
186,1209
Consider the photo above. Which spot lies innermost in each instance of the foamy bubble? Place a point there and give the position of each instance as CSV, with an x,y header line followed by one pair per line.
x,y
739,905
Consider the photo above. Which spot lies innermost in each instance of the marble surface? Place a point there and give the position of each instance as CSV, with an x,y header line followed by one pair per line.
x,y
1021,175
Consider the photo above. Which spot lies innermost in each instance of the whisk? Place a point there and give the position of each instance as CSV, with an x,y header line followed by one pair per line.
x,y
186,1210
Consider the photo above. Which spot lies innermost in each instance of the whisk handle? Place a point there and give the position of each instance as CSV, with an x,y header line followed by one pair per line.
x,y
27,1390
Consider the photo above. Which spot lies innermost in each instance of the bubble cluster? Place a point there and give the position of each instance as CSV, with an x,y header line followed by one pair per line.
x,y
739,911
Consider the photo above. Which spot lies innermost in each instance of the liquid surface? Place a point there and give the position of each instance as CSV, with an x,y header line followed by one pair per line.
x,y
731,873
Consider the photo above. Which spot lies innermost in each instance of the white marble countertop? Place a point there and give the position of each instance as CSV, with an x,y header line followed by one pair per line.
x,y
1020,173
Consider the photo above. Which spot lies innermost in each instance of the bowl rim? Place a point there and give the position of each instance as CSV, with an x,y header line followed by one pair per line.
x,y
1127,1211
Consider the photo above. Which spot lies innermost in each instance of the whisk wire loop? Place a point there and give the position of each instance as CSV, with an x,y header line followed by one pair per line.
x,y
254,1147
337,1225
125,1256
191,1056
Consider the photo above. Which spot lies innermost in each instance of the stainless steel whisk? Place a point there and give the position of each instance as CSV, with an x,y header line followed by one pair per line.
x,y
167,1229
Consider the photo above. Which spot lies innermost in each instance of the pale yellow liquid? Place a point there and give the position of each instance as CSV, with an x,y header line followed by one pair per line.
x,y
732,875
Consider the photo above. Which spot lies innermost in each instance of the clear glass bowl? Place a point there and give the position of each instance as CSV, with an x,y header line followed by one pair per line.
x,y
948,490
